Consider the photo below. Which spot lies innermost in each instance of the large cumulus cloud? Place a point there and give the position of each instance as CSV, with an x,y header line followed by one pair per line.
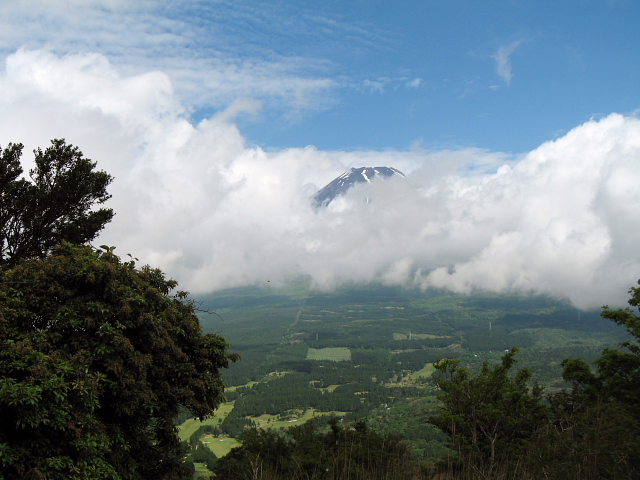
x,y
196,201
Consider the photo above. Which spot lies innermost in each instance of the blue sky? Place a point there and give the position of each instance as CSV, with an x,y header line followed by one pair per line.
x,y
562,63
501,75
516,123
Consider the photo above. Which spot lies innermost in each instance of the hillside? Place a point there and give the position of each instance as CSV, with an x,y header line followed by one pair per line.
x,y
270,326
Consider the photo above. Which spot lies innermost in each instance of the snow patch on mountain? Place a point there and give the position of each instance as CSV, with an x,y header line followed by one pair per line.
x,y
344,182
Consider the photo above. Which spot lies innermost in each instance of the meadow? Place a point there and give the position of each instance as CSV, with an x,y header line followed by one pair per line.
x,y
334,354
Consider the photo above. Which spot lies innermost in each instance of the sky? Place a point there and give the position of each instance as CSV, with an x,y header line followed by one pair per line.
x,y
515,122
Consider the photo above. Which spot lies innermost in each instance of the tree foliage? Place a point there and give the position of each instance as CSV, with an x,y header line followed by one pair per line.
x,y
617,376
97,357
503,428
200,453
488,415
56,204
597,424
351,451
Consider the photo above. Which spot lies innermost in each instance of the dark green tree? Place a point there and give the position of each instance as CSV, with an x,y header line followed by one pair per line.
x,y
490,414
97,357
200,453
617,375
352,451
56,204
596,428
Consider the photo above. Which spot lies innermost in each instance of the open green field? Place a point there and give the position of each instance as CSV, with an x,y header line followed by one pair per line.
x,y
416,336
191,425
336,354
233,389
202,470
330,388
425,372
272,421
219,445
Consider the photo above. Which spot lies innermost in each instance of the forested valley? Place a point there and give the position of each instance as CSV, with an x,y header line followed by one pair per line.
x,y
479,386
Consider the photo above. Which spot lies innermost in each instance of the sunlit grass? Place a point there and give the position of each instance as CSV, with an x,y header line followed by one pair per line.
x,y
335,354
189,426
233,389
330,388
220,445
424,372
294,418
201,470
417,336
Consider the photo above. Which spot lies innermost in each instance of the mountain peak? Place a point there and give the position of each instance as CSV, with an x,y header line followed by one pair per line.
x,y
341,184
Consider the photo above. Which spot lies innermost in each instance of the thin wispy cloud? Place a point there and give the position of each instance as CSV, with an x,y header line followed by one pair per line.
x,y
503,61
375,85
202,58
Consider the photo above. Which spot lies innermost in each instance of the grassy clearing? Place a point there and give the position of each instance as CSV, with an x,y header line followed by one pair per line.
x,y
219,445
224,410
417,336
425,372
330,388
189,426
234,388
202,471
336,354
273,421
222,445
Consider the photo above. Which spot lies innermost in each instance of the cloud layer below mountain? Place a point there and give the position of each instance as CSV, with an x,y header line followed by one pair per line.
x,y
213,212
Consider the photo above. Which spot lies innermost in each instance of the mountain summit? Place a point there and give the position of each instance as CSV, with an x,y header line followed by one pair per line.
x,y
344,182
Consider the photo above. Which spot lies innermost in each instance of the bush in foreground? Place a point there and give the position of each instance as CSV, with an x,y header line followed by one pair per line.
x,y
97,357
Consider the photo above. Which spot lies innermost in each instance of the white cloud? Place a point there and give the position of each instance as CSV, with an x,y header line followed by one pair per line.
x,y
195,201
415,83
503,60
375,85
180,39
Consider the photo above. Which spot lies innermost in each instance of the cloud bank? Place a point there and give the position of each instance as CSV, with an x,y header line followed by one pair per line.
x,y
212,212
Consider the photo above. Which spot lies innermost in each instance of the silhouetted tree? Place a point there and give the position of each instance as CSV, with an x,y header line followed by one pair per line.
x,y
56,204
